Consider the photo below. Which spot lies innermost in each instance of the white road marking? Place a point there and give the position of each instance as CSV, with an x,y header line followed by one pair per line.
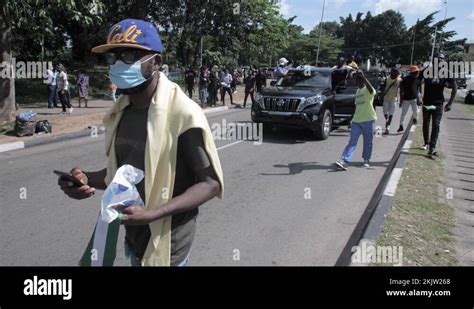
x,y
229,145
407,145
393,182
12,146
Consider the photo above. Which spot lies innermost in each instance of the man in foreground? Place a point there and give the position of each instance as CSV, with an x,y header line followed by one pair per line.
x,y
154,127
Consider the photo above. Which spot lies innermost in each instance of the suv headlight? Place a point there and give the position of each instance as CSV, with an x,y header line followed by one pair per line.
x,y
317,99
259,100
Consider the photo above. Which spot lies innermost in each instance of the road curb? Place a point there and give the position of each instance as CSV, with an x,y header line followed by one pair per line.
x,y
372,220
68,136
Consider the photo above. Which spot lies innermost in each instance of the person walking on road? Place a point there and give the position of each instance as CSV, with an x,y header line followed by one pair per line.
x,y
203,86
432,104
83,86
390,97
226,82
249,82
409,94
214,85
363,123
63,89
157,128
52,87
190,80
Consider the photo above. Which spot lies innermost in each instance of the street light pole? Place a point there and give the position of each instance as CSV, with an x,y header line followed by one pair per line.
x,y
444,24
320,33
413,46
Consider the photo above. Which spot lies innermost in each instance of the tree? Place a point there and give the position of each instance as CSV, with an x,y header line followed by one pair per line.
x,y
7,84
302,48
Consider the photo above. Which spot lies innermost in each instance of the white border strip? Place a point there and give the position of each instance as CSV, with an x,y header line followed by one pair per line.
x,y
393,182
12,146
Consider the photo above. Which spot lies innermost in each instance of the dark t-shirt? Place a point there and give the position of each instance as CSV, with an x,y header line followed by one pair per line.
x,y
433,93
410,86
261,80
249,83
130,143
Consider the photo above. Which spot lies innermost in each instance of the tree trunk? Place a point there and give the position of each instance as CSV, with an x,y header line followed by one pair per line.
x,y
140,9
7,85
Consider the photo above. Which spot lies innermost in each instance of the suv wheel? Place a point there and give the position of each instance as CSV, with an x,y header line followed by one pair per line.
x,y
324,126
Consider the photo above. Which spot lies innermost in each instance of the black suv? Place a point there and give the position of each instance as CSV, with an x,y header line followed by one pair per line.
x,y
310,98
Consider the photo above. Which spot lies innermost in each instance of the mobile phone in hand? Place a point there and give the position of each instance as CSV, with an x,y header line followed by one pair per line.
x,y
68,177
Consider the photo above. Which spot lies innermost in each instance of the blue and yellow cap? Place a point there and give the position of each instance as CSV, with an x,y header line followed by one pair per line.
x,y
132,33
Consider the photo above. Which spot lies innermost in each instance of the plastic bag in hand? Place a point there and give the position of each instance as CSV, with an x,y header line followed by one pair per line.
x,y
121,191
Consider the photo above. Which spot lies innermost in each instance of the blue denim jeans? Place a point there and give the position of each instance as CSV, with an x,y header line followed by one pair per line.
x,y
362,128
135,262
52,95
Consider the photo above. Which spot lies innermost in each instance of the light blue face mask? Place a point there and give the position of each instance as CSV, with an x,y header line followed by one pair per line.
x,y
127,76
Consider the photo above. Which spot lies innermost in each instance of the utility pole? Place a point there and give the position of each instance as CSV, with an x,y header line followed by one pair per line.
x,y
444,24
413,46
200,53
434,44
320,33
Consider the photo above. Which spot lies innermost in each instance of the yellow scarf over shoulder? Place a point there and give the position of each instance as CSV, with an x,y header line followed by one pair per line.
x,y
170,114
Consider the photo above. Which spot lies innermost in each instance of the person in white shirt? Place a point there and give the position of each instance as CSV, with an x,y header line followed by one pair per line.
x,y
52,87
226,80
63,89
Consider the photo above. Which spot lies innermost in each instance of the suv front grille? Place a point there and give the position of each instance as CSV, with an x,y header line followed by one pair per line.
x,y
281,104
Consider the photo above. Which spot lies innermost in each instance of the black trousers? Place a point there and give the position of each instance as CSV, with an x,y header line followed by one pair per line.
x,y
433,116
223,92
190,89
247,93
63,97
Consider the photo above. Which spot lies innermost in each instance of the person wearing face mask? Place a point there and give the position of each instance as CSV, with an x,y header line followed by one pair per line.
x,y
155,127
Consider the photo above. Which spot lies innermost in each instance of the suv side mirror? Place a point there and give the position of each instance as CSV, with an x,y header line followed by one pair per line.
x,y
273,83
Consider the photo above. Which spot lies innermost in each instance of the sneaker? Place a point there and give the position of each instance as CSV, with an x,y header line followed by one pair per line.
x,y
415,122
432,152
342,165
424,147
70,110
400,129
387,132
366,163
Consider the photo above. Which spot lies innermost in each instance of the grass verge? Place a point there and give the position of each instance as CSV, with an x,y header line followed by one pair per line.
x,y
420,220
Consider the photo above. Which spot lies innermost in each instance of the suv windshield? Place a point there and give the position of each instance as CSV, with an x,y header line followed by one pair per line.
x,y
299,79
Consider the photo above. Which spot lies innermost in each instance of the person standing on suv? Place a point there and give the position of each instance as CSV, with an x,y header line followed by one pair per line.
x,y
409,94
390,97
433,100
282,68
363,123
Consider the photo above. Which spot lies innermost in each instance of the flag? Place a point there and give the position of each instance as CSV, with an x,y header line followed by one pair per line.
x,y
102,247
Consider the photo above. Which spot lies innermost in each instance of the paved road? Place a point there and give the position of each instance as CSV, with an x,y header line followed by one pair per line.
x,y
264,219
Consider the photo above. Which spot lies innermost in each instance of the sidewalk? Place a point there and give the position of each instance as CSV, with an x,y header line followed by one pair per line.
x,y
81,119
457,141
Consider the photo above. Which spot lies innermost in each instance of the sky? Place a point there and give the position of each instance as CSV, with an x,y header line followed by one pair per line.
x,y
308,12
